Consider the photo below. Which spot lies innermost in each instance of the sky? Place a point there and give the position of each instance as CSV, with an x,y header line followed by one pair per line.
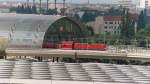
x,y
79,1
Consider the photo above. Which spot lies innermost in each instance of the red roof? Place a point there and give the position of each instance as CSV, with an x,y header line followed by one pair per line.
x,y
112,18
4,7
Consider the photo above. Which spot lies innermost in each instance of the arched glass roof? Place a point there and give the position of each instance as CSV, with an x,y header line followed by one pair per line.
x,y
26,22
30,29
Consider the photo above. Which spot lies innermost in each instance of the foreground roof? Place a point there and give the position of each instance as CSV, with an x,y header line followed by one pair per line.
x,y
98,72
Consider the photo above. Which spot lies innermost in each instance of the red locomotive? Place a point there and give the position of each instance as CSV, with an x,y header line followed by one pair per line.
x,y
76,45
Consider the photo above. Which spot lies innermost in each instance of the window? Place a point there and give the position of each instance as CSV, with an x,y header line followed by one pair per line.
x,y
111,22
114,27
105,22
105,27
115,32
27,40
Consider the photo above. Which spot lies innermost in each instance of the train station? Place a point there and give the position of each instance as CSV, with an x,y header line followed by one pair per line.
x,y
74,42
27,35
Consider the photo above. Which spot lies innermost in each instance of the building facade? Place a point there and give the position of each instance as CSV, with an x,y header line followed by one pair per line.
x,y
125,3
107,24
112,24
144,3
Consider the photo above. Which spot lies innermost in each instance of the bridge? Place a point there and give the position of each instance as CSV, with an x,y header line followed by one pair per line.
x,y
112,54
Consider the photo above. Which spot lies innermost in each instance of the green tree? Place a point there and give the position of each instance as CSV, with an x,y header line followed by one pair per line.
x,y
114,11
143,36
12,9
88,16
24,9
19,9
40,9
50,12
34,10
127,27
141,20
62,11
76,17
90,31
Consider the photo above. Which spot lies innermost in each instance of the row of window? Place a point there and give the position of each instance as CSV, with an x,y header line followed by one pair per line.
x,y
113,32
112,22
111,27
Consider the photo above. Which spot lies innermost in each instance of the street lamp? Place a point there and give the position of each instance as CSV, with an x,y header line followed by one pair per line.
x,y
135,30
104,37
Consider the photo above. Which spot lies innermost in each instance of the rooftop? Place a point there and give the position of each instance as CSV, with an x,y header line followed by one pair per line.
x,y
83,72
112,18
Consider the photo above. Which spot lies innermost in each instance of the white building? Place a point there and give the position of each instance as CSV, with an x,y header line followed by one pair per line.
x,y
125,3
108,24
130,4
144,3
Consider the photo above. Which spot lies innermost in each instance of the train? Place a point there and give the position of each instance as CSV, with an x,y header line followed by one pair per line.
x,y
76,45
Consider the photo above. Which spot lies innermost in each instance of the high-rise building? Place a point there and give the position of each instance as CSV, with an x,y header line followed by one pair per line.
x,y
125,3
144,3
129,4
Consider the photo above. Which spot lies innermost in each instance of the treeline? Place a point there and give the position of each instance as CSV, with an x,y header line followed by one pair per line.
x,y
134,28
111,61
32,10
24,9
